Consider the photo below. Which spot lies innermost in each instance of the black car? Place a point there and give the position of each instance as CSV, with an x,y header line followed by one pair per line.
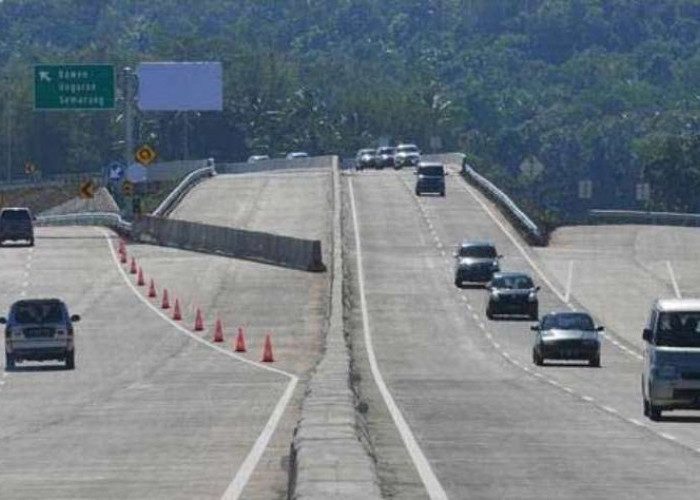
x,y
512,293
16,225
567,335
366,158
431,179
385,157
476,262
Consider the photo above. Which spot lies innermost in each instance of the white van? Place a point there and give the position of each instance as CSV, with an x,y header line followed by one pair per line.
x,y
671,375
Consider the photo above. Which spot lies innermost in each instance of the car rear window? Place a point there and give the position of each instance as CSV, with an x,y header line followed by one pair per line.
x,y
678,329
568,322
432,171
479,252
386,151
15,215
513,282
38,312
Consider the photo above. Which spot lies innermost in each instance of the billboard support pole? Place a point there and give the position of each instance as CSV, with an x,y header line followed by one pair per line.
x,y
129,132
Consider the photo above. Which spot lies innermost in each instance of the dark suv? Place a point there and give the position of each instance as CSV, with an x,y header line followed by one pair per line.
x,y
512,293
16,225
431,179
475,262
39,330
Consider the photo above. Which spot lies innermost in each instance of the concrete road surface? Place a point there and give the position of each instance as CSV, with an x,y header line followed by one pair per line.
x,y
153,410
489,423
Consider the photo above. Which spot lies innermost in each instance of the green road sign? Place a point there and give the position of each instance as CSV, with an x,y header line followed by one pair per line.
x,y
73,86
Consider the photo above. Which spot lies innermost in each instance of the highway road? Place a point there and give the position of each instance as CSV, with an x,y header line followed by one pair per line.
x,y
153,410
488,423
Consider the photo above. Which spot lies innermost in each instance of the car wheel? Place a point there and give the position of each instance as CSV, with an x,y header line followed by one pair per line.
x,y
537,358
489,313
458,283
595,361
654,412
9,362
645,406
70,361
417,193
31,242
534,313
442,193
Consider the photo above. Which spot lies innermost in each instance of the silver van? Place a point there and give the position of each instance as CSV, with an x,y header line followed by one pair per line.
x,y
671,375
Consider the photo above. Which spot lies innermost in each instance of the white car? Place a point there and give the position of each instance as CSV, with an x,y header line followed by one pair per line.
x,y
296,154
254,158
407,155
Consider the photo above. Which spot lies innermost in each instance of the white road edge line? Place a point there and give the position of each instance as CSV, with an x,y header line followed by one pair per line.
x,y
674,282
246,469
430,480
569,281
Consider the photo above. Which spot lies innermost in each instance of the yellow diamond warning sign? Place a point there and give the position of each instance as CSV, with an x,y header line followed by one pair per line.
x,y
145,155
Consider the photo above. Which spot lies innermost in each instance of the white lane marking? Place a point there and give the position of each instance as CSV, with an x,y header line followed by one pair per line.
x,y
430,481
636,422
587,398
676,290
246,469
610,409
569,279
668,436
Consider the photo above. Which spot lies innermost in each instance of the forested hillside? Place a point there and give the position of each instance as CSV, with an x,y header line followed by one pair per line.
x,y
606,90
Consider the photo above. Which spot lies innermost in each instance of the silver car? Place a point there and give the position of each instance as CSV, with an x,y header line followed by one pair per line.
x,y
567,335
671,374
407,155
39,330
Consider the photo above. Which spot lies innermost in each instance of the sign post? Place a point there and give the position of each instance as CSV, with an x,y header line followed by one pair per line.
x,y
60,87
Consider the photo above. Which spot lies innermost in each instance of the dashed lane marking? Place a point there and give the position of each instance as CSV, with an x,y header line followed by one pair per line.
x,y
674,282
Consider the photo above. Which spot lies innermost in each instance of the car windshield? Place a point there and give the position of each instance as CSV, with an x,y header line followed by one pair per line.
x,y
366,152
15,215
38,312
568,321
513,282
479,252
432,171
407,149
678,329
386,151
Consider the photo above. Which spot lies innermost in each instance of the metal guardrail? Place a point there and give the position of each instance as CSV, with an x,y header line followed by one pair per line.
x,y
183,188
637,217
107,219
530,229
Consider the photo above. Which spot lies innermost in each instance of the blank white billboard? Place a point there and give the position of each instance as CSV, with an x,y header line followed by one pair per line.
x,y
180,86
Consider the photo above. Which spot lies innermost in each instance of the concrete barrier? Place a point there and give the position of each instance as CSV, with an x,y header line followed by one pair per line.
x,y
177,194
275,164
639,217
257,246
329,458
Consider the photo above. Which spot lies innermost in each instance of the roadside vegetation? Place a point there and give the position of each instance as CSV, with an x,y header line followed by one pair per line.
x,y
600,90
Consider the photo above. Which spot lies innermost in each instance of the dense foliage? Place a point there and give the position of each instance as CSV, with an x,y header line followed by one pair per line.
x,y
601,90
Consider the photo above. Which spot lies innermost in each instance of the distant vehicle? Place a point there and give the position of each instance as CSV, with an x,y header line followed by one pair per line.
x,y
431,178
567,335
407,155
39,330
385,157
512,293
296,154
16,225
254,158
366,158
476,262
671,372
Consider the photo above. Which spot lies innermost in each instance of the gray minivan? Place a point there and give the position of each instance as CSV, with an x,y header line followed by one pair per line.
x,y
671,374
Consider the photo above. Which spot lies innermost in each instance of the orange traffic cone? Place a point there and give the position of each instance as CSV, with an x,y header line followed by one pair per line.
x,y
177,315
240,341
198,321
218,331
122,259
122,247
152,289
267,353
133,269
165,304
140,281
